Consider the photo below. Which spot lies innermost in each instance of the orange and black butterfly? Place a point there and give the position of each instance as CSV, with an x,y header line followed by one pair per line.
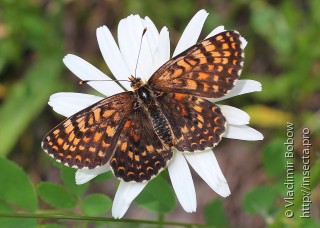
x,y
136,131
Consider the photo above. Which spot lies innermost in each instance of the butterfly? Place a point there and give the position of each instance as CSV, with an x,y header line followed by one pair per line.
x,y
137,131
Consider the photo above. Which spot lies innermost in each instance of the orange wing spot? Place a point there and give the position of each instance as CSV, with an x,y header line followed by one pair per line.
x,y
130,155
60,154
60,141
55,148
69,157
76,141
200,118
215,78
226,53
56,132
141,174
156,163
105,145
192,128
110,131
179,96
225,60
184,130
203,76
150,148
191,84
50,143
144,153
234,62
217,60
127,124
65,146
96,114
87,160
108,113
215,87
86,139
124,146
90,121
230,70
220,68
83,128
69,129
200,125
121,168
137,158
78,157
136,138
176,73
220,37
97,136
233,45
92,149
149,168
72,148
81,147
215,54
231,38
205,87
130,173
71,136
202,141
225,46
80,119
101,154
113,160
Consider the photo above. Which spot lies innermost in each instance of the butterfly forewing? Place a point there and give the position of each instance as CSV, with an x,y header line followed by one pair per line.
x,y
88,138
207,69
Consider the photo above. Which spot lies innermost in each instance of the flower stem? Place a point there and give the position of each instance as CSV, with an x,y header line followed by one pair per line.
x,y
54,215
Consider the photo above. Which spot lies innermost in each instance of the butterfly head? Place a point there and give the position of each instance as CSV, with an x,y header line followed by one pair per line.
x,y
136,83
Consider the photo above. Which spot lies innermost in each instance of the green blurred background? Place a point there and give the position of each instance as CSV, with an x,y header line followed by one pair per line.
x,y
283,53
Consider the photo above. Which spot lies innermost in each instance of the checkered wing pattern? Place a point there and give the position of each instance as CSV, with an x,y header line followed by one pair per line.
x,y
140,153
196,123
88,138
208,69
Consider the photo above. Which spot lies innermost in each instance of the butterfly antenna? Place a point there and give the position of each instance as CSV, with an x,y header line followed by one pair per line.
x,y
107,80
135,70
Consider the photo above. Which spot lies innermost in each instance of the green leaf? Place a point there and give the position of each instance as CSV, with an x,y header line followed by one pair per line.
x,y
260,200
16,188
214,214
275,149
96,204
55,195
68,177
157,196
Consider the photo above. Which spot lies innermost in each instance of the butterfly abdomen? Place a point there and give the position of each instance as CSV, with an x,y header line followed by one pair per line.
x,y
158,120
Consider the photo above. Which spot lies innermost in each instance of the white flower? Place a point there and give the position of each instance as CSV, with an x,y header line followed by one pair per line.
x,y
155,51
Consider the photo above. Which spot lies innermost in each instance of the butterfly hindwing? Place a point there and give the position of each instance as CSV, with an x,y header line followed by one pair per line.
x,y
197,124
88,138
140,154
207,69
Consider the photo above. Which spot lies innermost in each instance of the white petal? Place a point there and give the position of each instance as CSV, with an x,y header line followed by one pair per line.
x,y
182,182
216,31
234,115
112,55
163,50
242,132
191,33
84,175
129,36
85,71
241,87
206,165
126,193
67,104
